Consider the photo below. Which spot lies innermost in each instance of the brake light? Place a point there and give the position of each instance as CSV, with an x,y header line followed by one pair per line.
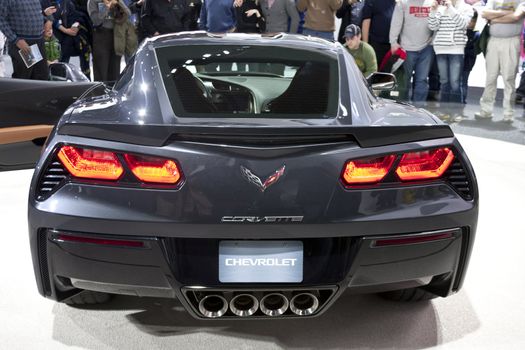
x,y
425,164
366,171
153,169
90,163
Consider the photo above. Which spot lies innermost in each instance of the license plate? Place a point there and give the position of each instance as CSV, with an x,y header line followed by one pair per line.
x,y
261,261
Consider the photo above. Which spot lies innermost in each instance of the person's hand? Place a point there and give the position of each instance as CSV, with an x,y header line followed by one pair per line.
x,y
394,47
22,45
252,12
237,3
50,10
107,3
140,2
69,31
73,31
156,34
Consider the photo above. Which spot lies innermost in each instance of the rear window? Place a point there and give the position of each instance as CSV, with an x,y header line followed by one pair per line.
x,y
249,81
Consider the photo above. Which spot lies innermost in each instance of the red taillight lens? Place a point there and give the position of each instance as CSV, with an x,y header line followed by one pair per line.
x,y
425,164
412,239
101,241
366,171
90,163
152,169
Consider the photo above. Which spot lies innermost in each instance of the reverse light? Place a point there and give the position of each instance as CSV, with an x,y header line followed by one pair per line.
x,y
153,169
366,171
90,163
424,164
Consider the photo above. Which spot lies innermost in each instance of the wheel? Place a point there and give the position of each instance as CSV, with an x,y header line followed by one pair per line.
x,y
409,295
88,297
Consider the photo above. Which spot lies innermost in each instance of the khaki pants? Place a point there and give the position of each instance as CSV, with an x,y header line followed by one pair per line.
x,y
502,58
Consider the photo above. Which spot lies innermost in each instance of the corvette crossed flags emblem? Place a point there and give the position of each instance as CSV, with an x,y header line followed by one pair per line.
x,y
254,179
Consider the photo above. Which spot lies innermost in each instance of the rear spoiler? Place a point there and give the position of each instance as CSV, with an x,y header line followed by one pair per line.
x,y
160,135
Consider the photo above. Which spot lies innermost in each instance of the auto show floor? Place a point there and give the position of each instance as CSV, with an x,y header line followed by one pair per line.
x,y
489,312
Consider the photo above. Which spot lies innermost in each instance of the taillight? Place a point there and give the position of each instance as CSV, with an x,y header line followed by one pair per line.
x,y
90,163
424,164
153,169
367,171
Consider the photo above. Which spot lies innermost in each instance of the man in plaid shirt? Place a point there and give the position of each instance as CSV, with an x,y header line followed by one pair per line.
x,y
22,22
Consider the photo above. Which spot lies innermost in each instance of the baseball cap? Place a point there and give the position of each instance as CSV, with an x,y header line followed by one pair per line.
x,y
351,31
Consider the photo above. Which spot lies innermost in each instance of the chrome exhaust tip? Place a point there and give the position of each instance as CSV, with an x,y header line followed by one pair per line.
x,y
274,304
213,306
304,304
244,305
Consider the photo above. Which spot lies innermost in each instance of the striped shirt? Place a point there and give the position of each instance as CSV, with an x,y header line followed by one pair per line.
x,y
450,26
21,19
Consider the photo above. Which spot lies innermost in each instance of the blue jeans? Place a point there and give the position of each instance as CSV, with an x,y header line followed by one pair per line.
x,y
450,72
319,34
418,63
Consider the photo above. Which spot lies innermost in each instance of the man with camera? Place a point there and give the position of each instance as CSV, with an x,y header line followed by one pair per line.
x,y
106,63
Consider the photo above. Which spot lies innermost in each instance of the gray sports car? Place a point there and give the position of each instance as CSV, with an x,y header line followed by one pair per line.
x,y
249,176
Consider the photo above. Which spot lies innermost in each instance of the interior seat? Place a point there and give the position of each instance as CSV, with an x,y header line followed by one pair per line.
x,y
307,93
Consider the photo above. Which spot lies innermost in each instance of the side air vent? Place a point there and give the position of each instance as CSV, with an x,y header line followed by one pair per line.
x,y
42,259
51,179
458,178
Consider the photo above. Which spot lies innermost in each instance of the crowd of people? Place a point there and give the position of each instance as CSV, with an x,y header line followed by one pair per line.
x,y
435,40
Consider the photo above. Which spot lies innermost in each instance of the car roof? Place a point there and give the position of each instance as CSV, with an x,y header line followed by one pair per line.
x,y
272,39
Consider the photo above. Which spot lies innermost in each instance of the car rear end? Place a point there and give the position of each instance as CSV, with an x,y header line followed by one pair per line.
x,y
271,216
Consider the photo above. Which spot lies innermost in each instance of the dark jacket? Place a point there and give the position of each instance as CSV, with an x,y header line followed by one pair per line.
x,y
349,14
65,15
470,50
252,24
166,16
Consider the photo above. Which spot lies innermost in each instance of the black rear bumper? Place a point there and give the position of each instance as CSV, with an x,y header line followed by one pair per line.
x,y
167,267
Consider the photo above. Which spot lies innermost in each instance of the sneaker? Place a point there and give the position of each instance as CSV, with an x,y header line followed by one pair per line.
x,y
457,118
445,117
508,118
482,115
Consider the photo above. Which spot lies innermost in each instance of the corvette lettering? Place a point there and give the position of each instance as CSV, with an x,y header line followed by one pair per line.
x,y
260,262
261,219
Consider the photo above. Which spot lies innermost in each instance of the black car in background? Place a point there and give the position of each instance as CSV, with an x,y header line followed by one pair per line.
x,y
249,176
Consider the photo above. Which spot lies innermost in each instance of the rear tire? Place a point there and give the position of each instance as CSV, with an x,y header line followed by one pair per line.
x,y
408,295
88,297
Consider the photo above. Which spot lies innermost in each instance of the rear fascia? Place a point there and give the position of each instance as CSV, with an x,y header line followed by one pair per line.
x,y
94,214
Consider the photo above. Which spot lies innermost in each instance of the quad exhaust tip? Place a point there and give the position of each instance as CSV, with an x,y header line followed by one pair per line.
x,y
270,303
274,304
244,305
304,304
213,306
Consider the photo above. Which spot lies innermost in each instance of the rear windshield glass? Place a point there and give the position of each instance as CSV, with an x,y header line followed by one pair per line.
x,y
244,81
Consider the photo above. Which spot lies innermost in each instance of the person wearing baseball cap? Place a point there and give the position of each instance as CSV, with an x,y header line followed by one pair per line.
x,y
363,53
